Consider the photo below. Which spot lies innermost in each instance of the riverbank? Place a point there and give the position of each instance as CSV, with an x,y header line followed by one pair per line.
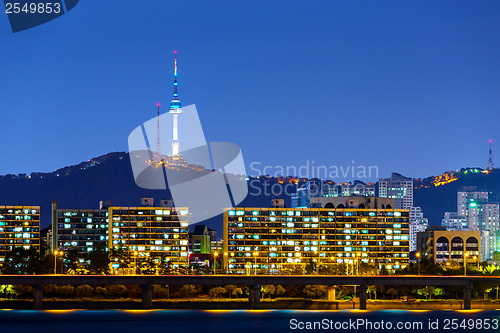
x,y
237,304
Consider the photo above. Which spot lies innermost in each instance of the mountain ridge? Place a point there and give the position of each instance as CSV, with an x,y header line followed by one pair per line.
x,y
110,177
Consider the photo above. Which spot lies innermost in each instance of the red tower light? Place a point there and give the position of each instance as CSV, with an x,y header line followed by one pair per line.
x,y
157,104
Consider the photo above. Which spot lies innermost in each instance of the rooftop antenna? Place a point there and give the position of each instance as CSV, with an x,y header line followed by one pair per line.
x,y
490,161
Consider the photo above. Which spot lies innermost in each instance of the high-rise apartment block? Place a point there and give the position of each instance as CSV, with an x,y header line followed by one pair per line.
x,y
467,196
150,232
274,239
82,229
145,231
19,227
476,213
418,223
399,188
455,222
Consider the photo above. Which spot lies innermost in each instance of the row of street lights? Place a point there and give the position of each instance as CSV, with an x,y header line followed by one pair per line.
x,y
465,255
58,253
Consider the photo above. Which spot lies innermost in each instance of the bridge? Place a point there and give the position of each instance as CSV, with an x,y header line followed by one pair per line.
x,y
253,282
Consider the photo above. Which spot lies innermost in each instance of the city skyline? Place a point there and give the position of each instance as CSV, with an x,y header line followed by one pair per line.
x,y
356,75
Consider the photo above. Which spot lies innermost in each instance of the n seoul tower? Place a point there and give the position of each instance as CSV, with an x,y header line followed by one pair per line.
x,y
175,110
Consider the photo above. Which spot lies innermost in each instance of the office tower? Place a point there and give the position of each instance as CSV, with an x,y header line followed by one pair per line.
x,y
19,227
399,188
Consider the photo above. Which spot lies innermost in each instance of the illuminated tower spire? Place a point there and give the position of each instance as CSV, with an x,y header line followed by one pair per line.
x,y
175,110
490,161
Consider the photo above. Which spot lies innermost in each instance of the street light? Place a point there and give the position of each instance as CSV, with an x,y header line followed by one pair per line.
x,y
418,260
358,264
316,270
215,260
465,264
135,261
255,254
55,261
475,258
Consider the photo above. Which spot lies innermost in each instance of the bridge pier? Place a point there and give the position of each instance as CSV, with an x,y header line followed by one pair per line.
x,y
254,297
331,293
362,297
468,296
37,296
147,296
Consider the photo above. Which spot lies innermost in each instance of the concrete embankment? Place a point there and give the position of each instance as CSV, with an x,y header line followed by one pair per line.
x,y
290,304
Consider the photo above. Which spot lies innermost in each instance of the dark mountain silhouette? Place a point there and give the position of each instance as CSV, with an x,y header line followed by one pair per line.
x,y
435,200
109,177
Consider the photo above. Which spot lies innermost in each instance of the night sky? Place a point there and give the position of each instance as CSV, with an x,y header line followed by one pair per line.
x,y
408,86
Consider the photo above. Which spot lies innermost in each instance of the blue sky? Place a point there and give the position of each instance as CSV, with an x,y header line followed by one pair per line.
x,y
408,86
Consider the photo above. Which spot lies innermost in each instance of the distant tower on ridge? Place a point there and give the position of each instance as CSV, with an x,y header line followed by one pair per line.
x,y
175,110
490,161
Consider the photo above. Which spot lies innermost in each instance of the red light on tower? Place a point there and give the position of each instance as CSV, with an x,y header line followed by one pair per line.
x,y
491,141
157,104
175,51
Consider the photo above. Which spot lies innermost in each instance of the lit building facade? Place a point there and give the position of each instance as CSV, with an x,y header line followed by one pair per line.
x,y
199,240
19,227
418,223
449,248
359,188
454,222
481,215
467,196
318,188
273,239
150,232
484,216
399,188
82,229
300,199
